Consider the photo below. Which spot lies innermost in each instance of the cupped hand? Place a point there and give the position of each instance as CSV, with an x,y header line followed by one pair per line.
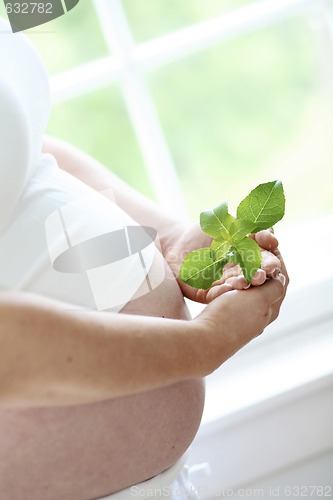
x,y
233,279
233,319
191,238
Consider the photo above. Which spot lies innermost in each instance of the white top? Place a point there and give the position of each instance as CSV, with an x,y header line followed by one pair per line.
x,y
58,237
24,111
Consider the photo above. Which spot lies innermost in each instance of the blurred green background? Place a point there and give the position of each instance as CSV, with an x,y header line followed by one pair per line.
x,y
247,111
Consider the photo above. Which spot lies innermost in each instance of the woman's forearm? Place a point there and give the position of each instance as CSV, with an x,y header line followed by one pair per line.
x,y
52,356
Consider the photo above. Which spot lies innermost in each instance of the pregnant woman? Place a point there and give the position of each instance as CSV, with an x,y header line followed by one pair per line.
x,y
92,401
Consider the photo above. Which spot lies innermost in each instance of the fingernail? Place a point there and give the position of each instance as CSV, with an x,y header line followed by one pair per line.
x,y
281,277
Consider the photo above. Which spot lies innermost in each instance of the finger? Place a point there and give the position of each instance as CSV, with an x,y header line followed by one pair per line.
x,y
201,296
266,239
259,278
237,282
283,266
235,278
229,271
275,289
270,262
275,309
216,291
280,277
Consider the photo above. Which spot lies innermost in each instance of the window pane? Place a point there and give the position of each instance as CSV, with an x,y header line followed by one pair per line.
x,y
247,112
99,124
151,18
70,40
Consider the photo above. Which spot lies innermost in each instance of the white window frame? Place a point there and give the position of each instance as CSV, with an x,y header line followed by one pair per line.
x,y
126,64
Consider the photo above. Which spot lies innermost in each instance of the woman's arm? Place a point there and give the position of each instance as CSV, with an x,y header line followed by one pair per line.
x,y
51,356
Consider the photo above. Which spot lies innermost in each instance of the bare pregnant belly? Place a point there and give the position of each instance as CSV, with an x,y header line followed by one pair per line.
x,y
88,451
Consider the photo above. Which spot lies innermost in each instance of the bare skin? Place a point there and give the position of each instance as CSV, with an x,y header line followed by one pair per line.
x,y
86,451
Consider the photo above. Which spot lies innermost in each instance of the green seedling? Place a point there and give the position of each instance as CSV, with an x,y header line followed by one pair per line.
x,y
261,209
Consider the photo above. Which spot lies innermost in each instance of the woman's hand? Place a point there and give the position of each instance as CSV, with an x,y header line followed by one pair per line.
x,y
233,279
232,320
185,239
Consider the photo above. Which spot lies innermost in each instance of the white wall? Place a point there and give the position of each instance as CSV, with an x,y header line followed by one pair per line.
x,y
287,441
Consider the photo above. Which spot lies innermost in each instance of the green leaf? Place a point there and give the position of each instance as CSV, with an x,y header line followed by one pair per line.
x,y
240,228
261,209
247,254
264,206
220,248
216,222
200,270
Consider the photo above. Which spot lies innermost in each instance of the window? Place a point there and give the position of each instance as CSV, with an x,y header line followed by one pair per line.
x,y
238,93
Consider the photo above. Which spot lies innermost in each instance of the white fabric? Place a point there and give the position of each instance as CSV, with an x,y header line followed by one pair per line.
x,y
24,111
31,241
174,483
42,208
